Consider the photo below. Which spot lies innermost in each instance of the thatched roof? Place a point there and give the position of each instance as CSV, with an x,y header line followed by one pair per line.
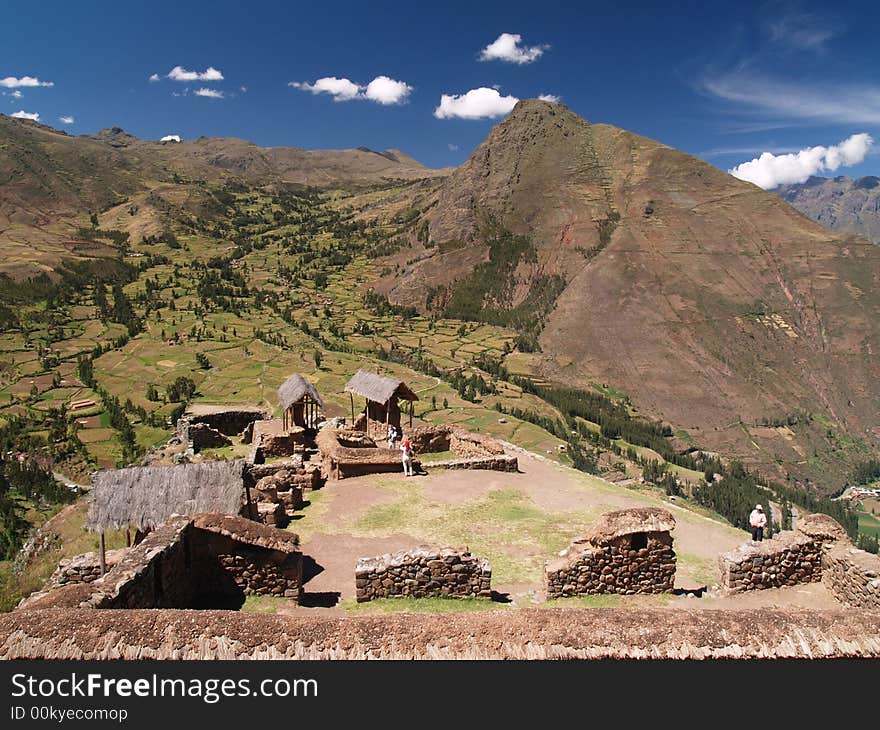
x,y
146,496
628,522
294,389
378,388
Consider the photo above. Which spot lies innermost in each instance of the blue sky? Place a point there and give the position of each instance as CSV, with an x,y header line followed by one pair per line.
x,y
725,81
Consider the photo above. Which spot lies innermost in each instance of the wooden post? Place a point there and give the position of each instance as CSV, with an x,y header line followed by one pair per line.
x,y
412,407
350,395
127,537
102,553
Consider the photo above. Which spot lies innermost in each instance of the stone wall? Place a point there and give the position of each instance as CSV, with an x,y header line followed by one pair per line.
x,y
790,558
423,573
84,568
627,552
492,463
204,561
464,444
852,576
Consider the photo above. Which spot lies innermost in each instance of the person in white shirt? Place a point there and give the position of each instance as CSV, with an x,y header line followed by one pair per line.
x,y
392,436
406,454
758,521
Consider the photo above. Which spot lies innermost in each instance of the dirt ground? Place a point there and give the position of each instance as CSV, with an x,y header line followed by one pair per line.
x,y
517,520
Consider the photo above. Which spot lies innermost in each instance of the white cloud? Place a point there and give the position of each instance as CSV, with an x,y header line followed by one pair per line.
x,y
382,89
387,91
814,103
507,48
178,73
10,82
210,93
769,171
801,30
66,120
552,98
170,138
339,89
14,94
452,147
154,77
34,117
482,103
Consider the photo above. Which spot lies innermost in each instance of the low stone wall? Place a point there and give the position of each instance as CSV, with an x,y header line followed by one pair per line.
x,y
626,552
493,463
423,573
84,568
852,576
464,444
790,558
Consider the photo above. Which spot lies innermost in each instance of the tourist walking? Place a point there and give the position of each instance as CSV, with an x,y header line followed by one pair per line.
x,y
407,458
758,521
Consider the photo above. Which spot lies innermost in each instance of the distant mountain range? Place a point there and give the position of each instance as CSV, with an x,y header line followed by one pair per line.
x,y
841,203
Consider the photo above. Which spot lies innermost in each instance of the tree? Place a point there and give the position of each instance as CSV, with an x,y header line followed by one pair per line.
x,y
317,356
202,360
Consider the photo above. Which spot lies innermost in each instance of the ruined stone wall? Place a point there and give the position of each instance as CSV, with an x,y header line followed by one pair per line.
x,y
464,444
852,576
493,463
84,568
423,573
627,565
791,557
207,561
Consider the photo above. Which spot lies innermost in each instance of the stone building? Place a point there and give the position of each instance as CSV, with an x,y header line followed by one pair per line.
x,y
628,551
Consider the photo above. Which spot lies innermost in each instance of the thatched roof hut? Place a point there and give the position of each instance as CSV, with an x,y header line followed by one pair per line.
x,y
382,395
143,497
378,388
295,389
300,402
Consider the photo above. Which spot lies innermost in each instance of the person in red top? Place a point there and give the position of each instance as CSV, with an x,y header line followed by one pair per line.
x,y
407,458
758,521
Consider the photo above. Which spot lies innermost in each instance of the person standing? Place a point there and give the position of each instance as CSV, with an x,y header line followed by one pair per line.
x,y
392,436
758,521
407,458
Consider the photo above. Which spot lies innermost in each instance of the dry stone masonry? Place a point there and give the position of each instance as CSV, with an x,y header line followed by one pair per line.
x,y
84,568
423,573
202,561
629,551
852,576
790,558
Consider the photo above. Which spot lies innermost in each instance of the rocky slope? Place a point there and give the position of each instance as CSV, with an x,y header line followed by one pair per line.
x,y
841,203
711,303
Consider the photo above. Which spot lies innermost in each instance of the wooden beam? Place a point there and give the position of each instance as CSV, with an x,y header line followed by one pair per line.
x,y
102,553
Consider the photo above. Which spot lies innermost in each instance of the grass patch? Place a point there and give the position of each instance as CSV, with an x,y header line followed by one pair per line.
x,y
266,604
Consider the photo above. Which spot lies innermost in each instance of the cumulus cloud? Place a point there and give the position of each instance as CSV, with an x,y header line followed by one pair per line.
x,y
506,47
11,82
178,73
769,171
34,117
14,94
170,138
387,91
552,98
482,103
382,89
66,120
154,77
339,89
210,93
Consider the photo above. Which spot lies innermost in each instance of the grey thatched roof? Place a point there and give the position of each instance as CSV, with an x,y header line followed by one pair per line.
x,y
145,496
294,389
378,388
